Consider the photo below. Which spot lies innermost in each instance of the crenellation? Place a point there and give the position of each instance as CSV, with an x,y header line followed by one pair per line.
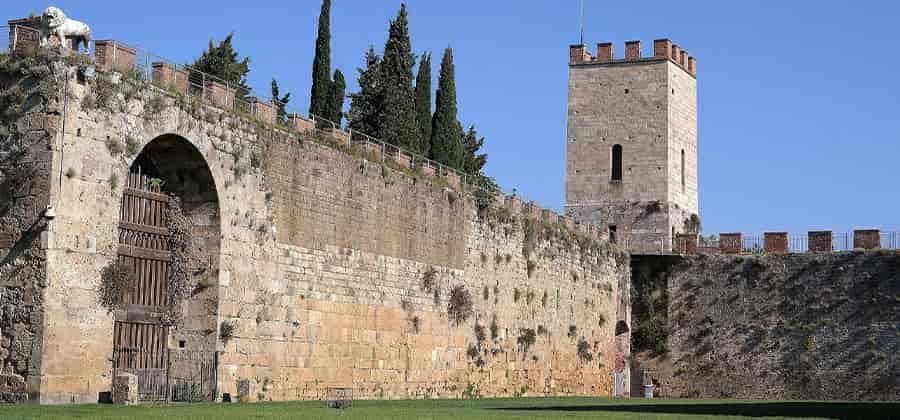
x,y
605,52
633,50
115,56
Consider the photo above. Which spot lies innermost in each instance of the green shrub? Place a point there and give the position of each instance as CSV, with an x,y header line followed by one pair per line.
x,y
460,306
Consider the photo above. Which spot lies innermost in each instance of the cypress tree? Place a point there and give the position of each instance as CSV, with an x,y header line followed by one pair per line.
x,y
366,105
321,72
222,62
280,101
336,100
423,104
473,162
399,104
446,131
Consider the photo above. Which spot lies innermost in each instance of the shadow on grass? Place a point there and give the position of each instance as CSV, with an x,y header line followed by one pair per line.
x,y
831,410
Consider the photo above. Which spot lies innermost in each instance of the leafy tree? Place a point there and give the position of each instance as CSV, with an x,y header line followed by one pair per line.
x,y
399,105
320,95
280,101
366,108
473,162
222,61
336,98
423,104
446,131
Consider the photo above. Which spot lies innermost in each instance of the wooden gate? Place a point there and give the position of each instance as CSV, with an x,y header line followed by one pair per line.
x,y
140,341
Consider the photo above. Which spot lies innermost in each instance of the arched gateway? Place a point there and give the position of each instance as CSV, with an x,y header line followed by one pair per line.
x,y
165,331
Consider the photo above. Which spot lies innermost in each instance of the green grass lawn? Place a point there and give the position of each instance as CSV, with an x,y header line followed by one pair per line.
x,y
532,408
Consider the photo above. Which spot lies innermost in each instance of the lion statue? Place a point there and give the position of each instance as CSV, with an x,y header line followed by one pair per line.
x,y
55,22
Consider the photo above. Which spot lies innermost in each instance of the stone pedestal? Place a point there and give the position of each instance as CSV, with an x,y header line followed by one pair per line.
x,y
246,389
125,389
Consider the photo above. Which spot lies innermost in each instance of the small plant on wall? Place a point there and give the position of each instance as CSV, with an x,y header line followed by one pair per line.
x,y
116,281
227,331
526,339
460,307
584,351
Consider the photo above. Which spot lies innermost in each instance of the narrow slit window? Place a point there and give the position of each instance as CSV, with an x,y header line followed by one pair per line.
x,y
682,171
616,163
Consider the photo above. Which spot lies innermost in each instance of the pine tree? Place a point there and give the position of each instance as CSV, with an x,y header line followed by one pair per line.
x,y
280,101
336,98
321,72
366,110
423,104
473,162
222,62
399,104
446,131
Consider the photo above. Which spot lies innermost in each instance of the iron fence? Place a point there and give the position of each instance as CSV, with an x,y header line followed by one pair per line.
x,y
793,243
170,375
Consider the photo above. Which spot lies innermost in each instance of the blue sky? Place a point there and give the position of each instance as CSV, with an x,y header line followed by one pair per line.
x,y
798,100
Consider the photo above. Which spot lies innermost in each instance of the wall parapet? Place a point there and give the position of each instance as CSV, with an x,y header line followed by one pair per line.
x,y
663,49
789,243
116,56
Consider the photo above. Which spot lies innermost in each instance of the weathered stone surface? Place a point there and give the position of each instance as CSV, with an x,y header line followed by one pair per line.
x,y
799,326
125,389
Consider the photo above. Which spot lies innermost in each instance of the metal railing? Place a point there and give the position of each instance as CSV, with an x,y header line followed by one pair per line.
x,y
781,243
199,85
240,99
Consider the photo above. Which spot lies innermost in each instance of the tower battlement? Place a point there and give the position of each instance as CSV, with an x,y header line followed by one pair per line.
x,y
631,151
662,49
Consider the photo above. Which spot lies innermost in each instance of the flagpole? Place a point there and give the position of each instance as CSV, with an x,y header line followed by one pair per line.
x,y
582,23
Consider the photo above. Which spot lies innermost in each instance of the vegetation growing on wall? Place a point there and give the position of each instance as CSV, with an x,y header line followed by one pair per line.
x,y
116,281
649,308
460,307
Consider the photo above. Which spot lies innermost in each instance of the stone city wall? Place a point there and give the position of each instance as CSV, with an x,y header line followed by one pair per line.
x,y
818,326
327,265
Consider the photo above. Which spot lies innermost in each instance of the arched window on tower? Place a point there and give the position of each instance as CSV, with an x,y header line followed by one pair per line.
x,y
682,171
616,163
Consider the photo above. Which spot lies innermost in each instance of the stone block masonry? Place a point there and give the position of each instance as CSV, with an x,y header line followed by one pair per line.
x,y
632,144
819,326
333,270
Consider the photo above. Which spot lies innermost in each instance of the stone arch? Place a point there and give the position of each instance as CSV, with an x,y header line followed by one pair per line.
x,y
179,169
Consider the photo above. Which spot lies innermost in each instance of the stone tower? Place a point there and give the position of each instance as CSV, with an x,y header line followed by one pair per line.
x,y
631,149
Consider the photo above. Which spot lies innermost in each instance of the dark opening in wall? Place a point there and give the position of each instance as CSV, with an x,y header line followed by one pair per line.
x,y
612,233
616,163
